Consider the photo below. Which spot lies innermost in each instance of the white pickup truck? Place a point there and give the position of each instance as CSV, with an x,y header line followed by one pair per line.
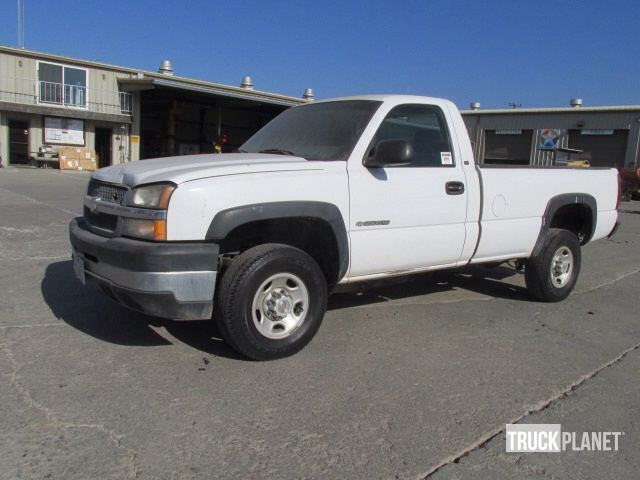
x,y
330,192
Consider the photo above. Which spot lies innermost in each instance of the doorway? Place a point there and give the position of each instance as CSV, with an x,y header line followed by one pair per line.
x,y
103,146
18,142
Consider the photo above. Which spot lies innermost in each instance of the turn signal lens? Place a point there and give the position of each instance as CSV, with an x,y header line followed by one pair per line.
x,y
152,196
144,229
159,229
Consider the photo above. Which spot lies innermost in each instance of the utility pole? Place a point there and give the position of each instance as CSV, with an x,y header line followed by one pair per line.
x,y
20,23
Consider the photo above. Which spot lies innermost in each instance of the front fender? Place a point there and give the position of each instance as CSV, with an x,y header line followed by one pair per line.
x,y
227,220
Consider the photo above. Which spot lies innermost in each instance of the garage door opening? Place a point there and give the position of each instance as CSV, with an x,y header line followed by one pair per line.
x,y
507,147
602,148
185,123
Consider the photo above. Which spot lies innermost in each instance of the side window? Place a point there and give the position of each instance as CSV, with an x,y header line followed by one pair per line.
x,y
424,127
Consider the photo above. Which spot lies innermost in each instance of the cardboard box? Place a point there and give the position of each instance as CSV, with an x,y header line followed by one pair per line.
x,y
67,153
88,164
77,158
68,163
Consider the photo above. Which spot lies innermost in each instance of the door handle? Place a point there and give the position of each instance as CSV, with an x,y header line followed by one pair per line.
x,y
454,188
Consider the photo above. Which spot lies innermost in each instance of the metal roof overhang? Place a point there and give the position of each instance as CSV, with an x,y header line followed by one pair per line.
x,y
516,111
140,84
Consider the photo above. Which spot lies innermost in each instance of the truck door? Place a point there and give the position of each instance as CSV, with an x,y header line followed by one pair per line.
x,y
411,216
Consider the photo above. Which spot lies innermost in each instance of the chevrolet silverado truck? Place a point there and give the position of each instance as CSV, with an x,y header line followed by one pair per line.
x,y
328,193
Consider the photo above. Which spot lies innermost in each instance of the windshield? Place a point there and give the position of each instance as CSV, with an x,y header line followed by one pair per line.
x,y
321,131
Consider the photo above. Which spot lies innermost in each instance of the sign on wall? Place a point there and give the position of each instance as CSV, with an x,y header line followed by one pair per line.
x,y
64,131
508,131
596,131
549,138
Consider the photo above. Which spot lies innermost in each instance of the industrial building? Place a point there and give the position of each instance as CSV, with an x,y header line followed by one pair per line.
x,y
605,136
48,101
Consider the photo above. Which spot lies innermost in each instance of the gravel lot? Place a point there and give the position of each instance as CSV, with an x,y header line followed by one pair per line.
x,y
402,381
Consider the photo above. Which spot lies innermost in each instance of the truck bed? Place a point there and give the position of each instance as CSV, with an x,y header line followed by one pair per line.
x,y
514,199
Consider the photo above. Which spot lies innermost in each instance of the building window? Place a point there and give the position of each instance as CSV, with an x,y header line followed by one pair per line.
x,y
126,102
62,85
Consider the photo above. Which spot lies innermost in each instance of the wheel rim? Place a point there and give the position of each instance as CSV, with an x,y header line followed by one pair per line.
x,y
561,267
280,305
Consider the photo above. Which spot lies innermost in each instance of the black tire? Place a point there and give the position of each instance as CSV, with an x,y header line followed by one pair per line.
x,y
538,269
240,283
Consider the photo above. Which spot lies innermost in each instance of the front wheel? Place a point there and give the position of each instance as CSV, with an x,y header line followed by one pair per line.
x,y
551,274
271,301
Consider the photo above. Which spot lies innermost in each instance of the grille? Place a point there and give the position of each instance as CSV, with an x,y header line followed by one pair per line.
x,y
103,221
106,191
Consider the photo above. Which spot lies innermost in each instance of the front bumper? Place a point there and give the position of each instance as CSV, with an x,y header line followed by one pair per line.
x,y
168,280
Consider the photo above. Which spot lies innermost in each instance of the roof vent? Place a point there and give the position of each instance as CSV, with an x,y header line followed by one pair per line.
x,y
165,68
475,105
246,83
308,94
576,102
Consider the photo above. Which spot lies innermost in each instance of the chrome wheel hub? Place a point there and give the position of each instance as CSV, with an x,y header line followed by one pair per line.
x,y
280,305
561,267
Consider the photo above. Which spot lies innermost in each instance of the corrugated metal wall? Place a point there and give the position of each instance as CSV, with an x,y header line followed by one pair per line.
x,y
477,122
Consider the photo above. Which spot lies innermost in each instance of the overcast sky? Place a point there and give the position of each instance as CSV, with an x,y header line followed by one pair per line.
x,y
531,53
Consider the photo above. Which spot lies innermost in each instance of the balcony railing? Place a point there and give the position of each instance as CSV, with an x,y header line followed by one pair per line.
x,y
63,94
27,91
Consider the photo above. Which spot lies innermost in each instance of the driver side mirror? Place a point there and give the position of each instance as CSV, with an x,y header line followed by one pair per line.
x,y
390,152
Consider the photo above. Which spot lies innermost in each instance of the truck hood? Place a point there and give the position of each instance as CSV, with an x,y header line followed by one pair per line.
x,y
193,167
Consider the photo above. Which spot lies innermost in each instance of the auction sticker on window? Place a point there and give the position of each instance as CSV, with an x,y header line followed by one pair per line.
x,y
446,158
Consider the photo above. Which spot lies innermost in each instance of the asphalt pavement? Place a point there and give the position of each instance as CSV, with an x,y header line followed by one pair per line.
x,y
412,379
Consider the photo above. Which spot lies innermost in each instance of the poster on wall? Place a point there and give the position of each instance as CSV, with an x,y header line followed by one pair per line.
x,y
65,131
549,138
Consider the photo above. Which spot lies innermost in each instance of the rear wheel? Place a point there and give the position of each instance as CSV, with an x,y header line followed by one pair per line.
x,y
552,273
271,301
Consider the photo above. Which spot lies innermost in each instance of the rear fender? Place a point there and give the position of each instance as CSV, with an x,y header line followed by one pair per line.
x,y
560,201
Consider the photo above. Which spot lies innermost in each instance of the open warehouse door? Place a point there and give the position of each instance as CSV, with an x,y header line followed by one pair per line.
x,y
507,146
183,117
602,148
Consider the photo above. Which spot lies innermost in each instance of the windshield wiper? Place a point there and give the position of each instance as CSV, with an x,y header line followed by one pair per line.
x,y
239,150
277,151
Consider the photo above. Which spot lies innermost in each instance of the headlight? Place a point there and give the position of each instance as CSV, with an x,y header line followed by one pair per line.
x,y
152,196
